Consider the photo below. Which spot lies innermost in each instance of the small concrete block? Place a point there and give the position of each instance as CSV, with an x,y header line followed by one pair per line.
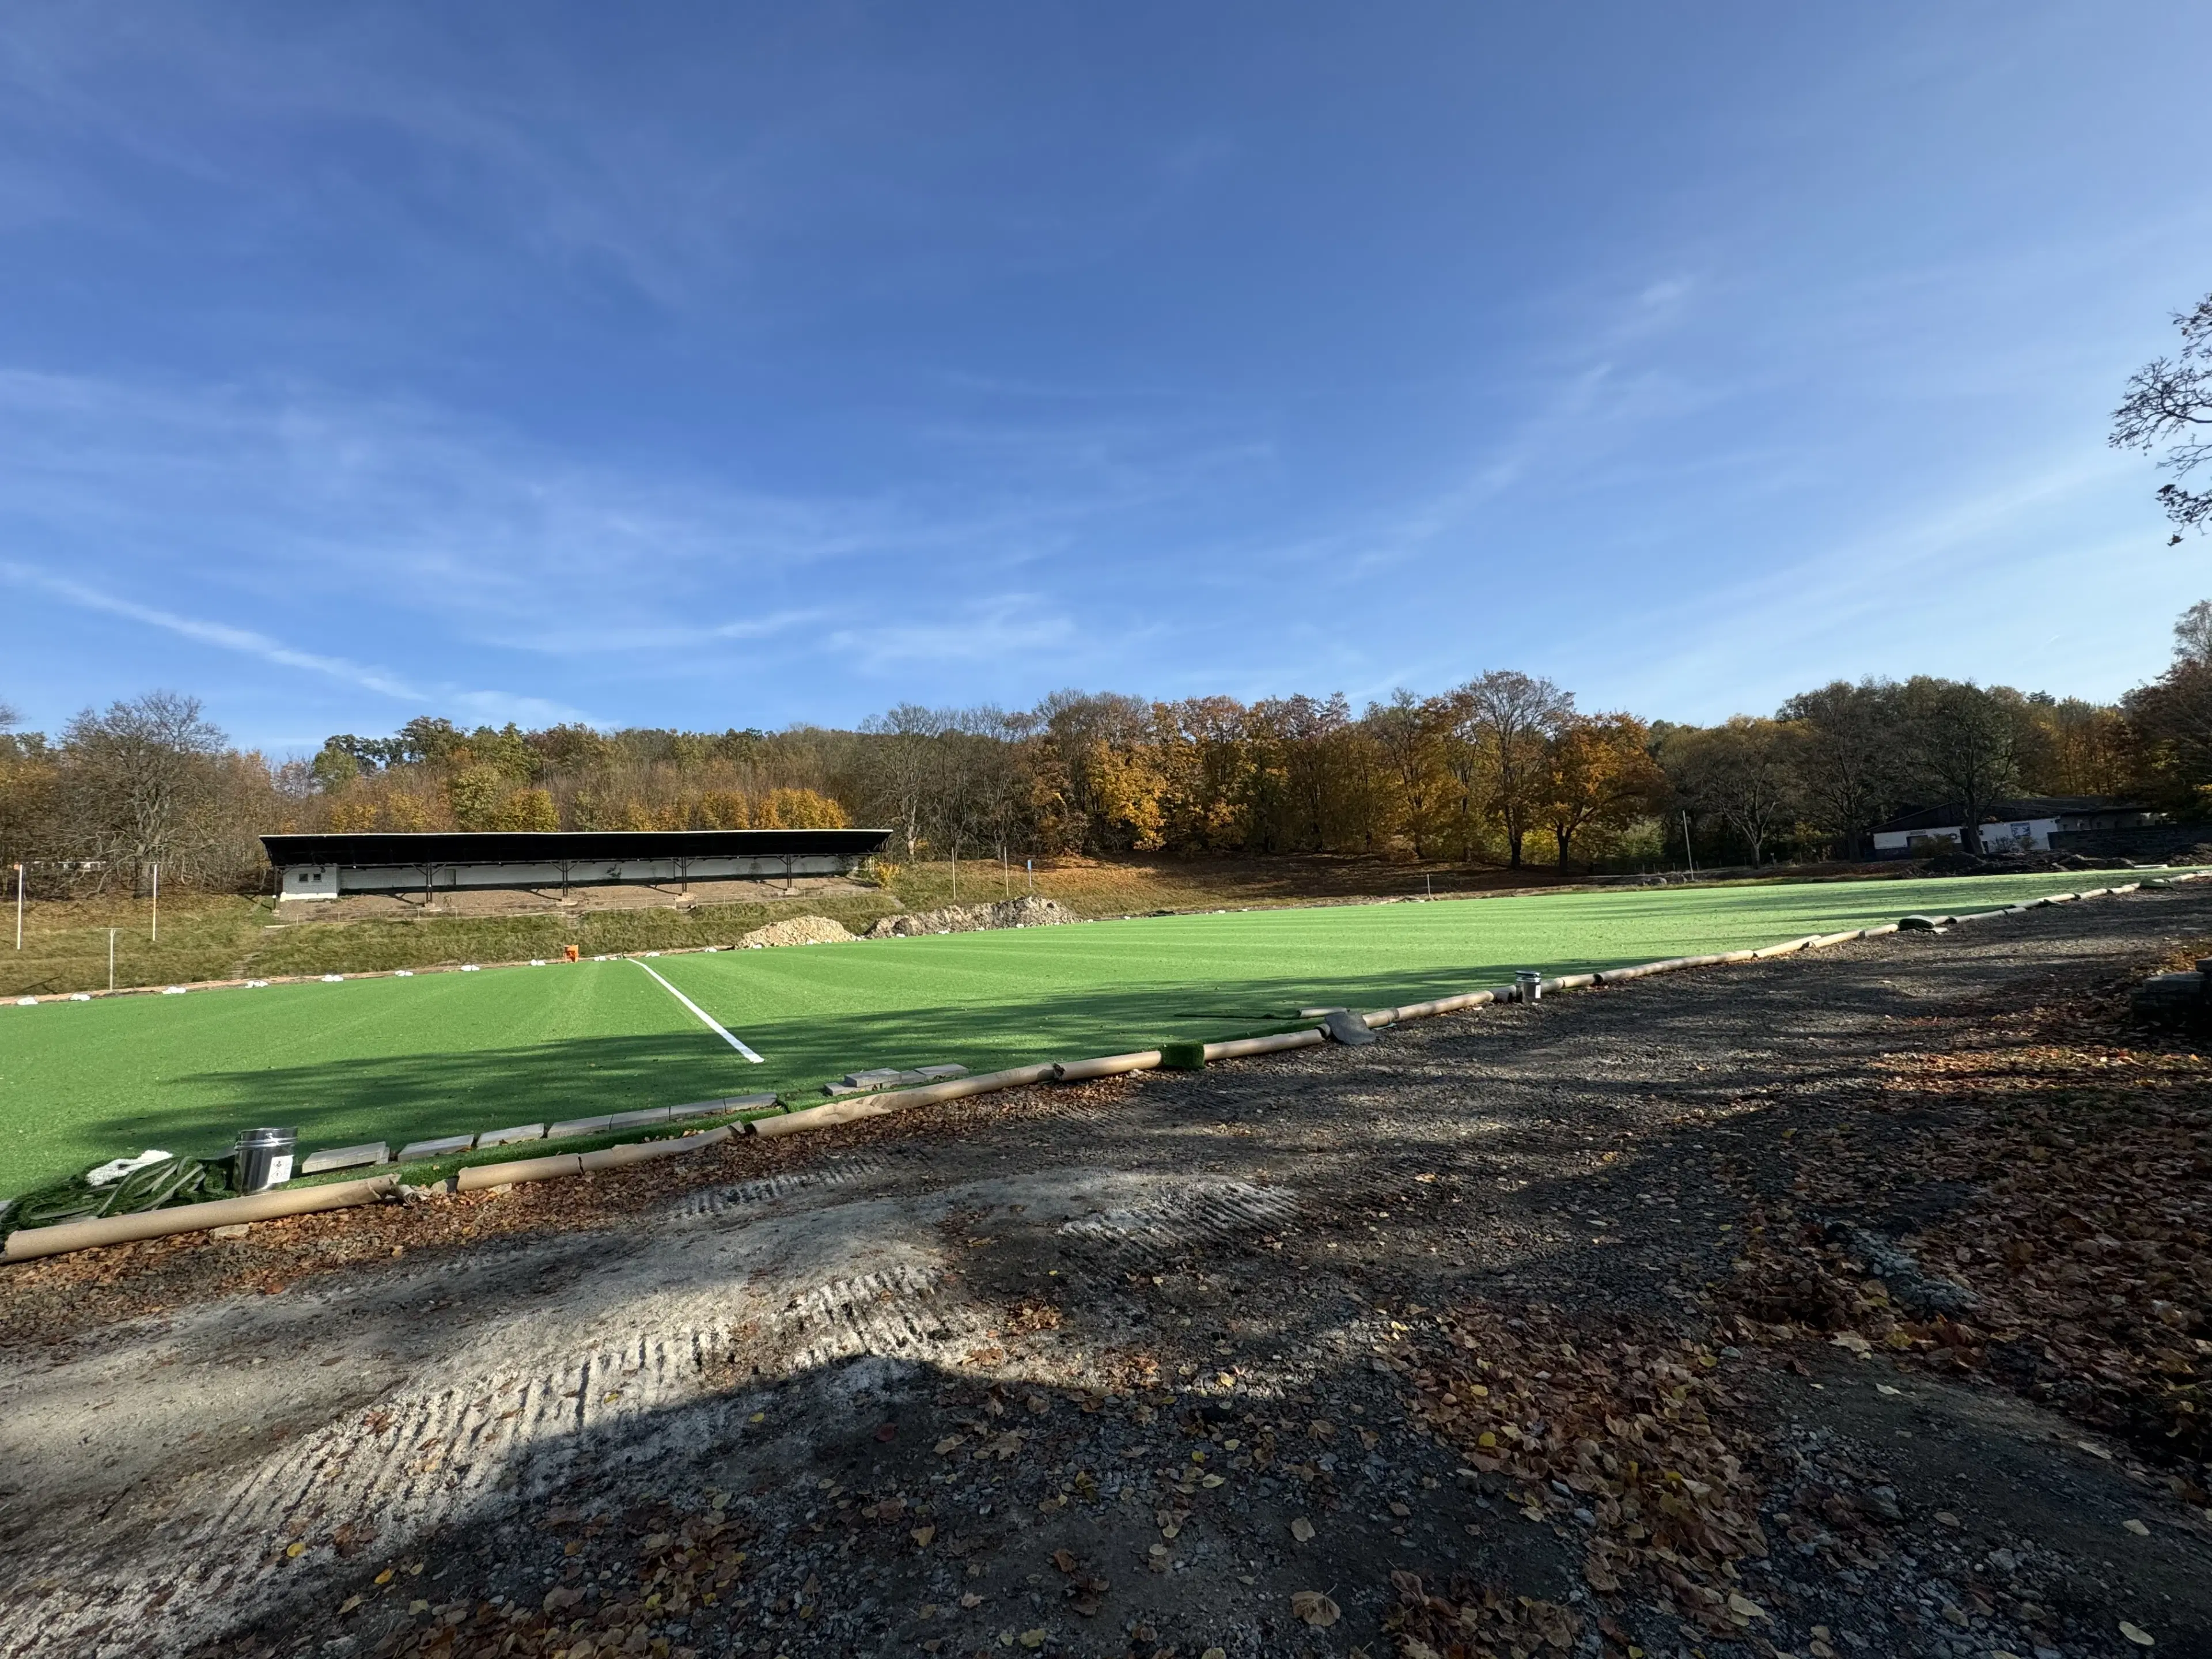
x,y
578,1126
638,1120
508,1136
1918,924
717,1108
875,1079
939,1073
437,1148
344,1157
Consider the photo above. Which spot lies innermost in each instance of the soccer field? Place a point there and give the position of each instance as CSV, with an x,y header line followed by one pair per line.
x,y
397,1060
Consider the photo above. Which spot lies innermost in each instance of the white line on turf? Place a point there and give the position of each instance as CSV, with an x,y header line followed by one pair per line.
x,y
706,1018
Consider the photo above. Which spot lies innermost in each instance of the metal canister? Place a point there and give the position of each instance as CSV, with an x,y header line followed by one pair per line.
x,y
1528,984
264,1158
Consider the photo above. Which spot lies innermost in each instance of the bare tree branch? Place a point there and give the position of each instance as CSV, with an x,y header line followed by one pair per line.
x,y
2167,399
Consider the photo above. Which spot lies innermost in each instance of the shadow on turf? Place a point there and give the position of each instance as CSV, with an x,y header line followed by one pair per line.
x,y
402,1097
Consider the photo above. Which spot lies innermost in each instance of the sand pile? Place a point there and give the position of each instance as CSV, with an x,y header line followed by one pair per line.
x,y
795,930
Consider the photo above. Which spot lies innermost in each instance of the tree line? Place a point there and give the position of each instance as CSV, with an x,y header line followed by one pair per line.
x,y
1503,769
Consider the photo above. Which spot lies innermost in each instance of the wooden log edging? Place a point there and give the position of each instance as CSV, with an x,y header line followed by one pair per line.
x,y
898,1100
1240,1048
29,1243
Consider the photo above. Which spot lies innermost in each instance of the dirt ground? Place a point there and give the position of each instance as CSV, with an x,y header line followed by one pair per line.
x,y
1842,1305
549,901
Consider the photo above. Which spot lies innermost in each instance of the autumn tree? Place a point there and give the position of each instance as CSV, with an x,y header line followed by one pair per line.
x,y
1848,749
27,792
1409,734
1599,775
1741,774
1511,716
137,778
900,767
2071,746
2170,720
1965,742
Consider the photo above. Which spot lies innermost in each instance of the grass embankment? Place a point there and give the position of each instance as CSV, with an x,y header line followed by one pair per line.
x,y
399,1060
203,939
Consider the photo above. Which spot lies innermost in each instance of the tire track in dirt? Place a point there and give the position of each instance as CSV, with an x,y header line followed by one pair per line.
x,y
531,1391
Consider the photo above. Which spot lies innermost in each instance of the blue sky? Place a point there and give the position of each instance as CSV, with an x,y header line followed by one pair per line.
x,y
743,364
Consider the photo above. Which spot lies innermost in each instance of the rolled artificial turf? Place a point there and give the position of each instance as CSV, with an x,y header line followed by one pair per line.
x,y
400,1059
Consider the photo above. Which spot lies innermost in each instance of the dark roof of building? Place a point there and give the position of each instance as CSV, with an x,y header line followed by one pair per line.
x,y
574,846
1950,814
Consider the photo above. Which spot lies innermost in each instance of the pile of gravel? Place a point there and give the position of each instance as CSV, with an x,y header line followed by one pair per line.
x,y
796,930
1025,912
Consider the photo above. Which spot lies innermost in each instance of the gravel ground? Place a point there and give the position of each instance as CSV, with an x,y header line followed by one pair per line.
x,y
1468,1342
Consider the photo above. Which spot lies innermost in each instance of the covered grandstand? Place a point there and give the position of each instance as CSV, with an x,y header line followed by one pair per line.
x,y
329,866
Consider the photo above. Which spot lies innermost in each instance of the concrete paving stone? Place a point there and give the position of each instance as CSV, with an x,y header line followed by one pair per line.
x,y
728,1103
578,1126
344,1157
436,1148
507,1137
635,1119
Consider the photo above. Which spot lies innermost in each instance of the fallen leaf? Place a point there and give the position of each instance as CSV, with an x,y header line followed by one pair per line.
x,y
295,1548
1032,1638
384,1578
1064,1559
1744,1607
888,1431
922,1535
1853,1342
1214,1481
1303,1530
1315,1609
1214,1653
2136,1634
949,1443
2136,1527
1399,1511
971,1600
1884,1388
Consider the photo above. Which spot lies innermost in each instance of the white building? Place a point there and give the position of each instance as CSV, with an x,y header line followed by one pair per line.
x,y
2007,826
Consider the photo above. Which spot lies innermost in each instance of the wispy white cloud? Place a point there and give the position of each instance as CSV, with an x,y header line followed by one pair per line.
x,y
352,519
1018,627
221,634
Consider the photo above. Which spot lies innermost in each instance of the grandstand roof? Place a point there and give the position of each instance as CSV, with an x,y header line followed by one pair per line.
x,y
565,846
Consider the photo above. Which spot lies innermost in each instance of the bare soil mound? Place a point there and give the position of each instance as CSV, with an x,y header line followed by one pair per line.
x,y
1025,912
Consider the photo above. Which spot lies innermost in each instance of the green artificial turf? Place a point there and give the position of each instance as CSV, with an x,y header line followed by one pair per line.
x,y
399,1060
